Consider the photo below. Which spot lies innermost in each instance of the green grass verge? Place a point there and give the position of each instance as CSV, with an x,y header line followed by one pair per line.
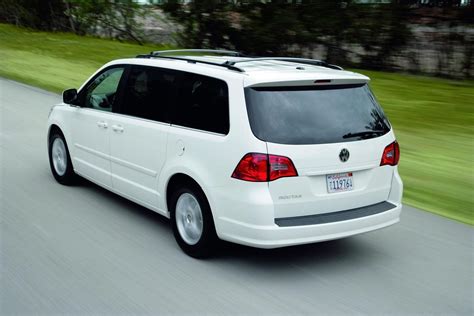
x,y
433,118
434,124
55,61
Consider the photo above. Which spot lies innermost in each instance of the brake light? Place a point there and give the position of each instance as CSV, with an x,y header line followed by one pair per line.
x,y
252,167
257,167
322,81
391,155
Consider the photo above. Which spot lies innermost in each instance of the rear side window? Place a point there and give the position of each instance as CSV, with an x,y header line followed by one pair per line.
x,y
202,103
149,92
315,115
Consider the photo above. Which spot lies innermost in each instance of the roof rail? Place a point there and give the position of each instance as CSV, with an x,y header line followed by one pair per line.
x,y
202,51
307,61
230,64
190,60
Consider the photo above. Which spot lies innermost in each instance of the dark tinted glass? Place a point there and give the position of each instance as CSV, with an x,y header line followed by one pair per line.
x,y
148,93
301,115
203,103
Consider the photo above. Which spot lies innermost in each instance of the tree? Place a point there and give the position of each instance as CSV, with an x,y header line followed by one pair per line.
x,y
39,14
205,23
382,31
118,19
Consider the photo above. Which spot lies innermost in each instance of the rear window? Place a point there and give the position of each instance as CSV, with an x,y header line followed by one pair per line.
x,y
315,115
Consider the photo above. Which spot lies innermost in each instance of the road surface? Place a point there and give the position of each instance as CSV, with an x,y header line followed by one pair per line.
x,y
84,250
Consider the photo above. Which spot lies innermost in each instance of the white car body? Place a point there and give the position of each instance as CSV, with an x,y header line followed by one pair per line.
x,y
136,158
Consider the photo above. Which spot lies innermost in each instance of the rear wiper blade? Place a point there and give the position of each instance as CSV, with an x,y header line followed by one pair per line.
x,y
364,134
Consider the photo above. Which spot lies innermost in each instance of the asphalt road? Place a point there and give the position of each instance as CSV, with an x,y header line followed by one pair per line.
x,y
84,250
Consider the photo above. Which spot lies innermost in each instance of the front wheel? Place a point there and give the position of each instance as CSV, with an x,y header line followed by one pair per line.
x,y
192,222
60,160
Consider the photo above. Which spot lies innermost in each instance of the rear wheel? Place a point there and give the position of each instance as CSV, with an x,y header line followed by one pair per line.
x,y
60,160
192,222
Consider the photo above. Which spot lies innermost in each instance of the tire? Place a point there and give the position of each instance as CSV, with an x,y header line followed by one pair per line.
x,y
60,160
190,214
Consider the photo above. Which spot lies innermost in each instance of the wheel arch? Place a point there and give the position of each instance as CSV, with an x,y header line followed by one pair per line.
x,y
56,125
180,178
54,128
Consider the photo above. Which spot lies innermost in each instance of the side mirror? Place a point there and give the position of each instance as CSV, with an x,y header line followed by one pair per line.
x,y
69,96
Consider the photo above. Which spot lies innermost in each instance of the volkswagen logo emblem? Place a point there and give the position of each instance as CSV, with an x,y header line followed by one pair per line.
x,y
344,155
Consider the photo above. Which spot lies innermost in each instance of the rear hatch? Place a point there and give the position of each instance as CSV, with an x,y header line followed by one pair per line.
x,y
335,135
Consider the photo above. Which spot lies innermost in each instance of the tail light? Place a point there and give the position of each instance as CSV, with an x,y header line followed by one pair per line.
x,y
252,167
391,155
257,167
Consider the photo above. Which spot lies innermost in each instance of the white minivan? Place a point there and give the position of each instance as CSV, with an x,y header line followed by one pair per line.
x,y
267,152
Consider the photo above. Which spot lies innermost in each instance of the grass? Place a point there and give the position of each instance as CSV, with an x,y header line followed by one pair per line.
x,y
432,117
434,124
55,61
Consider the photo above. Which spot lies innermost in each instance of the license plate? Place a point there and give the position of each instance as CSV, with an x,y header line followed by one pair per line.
x,y
339,182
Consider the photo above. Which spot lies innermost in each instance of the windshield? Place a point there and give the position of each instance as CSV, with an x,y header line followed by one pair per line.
x,y
315,115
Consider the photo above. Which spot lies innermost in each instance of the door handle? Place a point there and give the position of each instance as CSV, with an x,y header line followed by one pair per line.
x,y
102,124
117,128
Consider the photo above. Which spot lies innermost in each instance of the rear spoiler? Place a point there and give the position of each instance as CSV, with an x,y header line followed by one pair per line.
x,y
310,83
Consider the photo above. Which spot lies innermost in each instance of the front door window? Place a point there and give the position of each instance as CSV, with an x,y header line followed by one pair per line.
x,y
101,93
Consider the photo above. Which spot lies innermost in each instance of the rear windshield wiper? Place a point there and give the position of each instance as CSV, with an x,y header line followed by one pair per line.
x,y
364,134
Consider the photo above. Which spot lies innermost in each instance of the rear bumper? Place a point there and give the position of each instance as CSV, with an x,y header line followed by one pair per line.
x,y
333,217
246,216
275,236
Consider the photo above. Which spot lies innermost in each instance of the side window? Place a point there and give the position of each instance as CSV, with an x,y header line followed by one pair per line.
x,y
100,94
148,93
203,103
